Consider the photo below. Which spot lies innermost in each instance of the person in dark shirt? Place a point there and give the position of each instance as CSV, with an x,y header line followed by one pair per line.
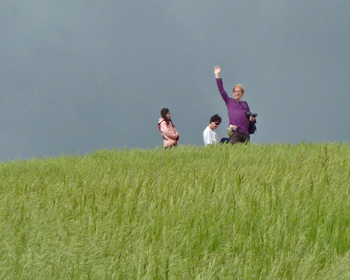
x,y
237,111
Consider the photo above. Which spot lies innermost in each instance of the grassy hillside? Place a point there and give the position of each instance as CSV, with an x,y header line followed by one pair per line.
x,y
273,211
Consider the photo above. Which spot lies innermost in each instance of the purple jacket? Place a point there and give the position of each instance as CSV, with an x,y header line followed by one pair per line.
x,y
237,110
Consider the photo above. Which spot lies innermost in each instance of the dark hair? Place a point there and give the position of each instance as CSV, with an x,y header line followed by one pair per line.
x,y
163,113
215,118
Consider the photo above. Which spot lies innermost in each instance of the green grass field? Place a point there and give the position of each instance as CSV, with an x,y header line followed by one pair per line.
x,y
269,211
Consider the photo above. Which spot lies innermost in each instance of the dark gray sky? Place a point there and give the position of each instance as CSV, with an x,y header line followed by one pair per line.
x,y
77,76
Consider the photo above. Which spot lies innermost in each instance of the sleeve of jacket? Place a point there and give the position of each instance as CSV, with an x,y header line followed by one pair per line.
x,y
221,89
249,110
165,129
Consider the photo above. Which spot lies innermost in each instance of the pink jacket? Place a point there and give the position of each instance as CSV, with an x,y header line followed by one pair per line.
x,y
169,132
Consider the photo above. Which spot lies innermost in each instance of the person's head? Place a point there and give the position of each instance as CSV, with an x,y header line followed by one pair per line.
x,y
165,113
214,121
238,91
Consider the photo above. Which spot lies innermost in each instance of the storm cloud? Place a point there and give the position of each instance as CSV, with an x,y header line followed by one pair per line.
x,y
77,76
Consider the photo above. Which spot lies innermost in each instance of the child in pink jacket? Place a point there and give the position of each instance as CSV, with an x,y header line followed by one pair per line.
x,y
167,128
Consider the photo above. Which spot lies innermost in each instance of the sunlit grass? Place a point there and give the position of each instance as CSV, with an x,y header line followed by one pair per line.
x,y
272,211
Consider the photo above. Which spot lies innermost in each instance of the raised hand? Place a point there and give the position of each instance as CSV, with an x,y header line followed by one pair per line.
x,y
217,71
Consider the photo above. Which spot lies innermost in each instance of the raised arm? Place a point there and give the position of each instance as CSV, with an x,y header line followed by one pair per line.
x,y
224,95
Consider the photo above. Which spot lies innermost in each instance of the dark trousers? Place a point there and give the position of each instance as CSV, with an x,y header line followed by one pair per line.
x,y
239,137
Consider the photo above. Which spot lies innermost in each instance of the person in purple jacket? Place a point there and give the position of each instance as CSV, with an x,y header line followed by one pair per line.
x,y
237,111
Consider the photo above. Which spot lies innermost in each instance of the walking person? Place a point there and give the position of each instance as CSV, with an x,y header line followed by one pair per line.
x,y
167,129
238,111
